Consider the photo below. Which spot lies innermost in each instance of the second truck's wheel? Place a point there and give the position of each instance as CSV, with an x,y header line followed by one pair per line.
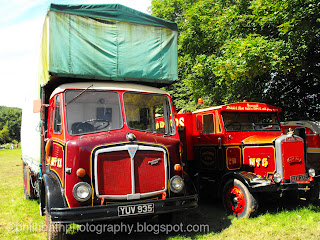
x,y
237,199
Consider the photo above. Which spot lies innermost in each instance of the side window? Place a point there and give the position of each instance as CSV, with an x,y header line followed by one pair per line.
x,y
199,121
57,125
50,120
208,125
218,123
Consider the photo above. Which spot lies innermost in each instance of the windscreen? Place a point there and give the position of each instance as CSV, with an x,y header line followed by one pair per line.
x,y
89,111
149,112
250,121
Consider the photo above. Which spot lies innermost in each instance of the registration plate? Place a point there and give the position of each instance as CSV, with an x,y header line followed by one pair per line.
x,y
299,178
129,210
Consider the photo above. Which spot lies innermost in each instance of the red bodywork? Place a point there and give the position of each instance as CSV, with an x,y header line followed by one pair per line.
x,y
215,146
114,175
312,131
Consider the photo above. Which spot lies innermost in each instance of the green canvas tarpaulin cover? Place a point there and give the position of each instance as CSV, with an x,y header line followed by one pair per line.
x,y
107,42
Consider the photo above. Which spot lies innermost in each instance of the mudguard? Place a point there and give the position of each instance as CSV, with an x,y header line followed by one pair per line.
x,y
190,188
54,197
254,182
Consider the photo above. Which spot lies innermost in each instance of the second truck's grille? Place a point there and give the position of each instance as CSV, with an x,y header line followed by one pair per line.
x,y
292,159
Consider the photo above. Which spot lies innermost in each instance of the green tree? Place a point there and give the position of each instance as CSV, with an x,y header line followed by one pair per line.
x,y
4,135
230,50
11,118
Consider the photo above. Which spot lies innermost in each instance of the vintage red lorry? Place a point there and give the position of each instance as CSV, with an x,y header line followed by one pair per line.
x,y
312,136
238,152
92,150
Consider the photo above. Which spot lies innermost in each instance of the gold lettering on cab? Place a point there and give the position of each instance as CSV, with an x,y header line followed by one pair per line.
x,y
258,162
56,162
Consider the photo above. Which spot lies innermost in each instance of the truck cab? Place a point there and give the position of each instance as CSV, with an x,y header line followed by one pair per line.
x,y
106,156
93,150
240,151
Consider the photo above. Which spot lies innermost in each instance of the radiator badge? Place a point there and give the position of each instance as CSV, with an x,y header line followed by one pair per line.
x,y
132,151
292,160
154,162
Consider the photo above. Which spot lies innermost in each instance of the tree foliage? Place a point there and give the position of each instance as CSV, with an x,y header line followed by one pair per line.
x,y
10,124
258,50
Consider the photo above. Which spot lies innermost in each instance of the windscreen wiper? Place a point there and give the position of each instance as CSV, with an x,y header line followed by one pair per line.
x,y
79,95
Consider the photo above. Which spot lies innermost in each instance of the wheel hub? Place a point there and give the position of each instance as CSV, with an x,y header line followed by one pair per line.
x,y
235,200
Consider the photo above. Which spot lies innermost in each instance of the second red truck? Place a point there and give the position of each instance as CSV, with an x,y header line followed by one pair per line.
x,y
239,151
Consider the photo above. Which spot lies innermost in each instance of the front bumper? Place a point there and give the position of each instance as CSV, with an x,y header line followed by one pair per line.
x,y
274,187
109,212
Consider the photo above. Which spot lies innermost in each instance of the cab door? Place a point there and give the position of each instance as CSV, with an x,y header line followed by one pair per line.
x,y
208,146
55,147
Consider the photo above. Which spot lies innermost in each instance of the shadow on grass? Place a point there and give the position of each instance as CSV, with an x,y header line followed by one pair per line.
x,y
209,217
275,205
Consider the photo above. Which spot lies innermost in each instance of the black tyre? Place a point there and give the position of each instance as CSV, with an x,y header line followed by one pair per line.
x,y
55,231
237,199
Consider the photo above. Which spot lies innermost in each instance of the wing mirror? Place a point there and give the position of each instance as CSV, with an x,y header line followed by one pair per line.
x,y
37,105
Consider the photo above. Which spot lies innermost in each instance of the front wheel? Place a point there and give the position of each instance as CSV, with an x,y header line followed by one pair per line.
x,y
55,231
237,199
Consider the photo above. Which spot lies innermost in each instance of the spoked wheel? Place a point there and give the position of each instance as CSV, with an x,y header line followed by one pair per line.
x,y
237,199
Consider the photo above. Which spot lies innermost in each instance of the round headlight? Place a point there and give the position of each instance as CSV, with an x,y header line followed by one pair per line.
x,y
176,184
82,191
277,177
312,172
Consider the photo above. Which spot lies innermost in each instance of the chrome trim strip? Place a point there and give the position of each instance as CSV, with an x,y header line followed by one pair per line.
x,y
133,195
278,146
133,188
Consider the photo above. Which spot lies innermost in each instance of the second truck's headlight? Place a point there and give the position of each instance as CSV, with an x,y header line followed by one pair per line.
x,y
82,191
176,184
277,177
312,172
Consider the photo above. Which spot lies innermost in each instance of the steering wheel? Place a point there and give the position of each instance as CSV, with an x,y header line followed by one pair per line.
x,y
82,127
235,125
103,123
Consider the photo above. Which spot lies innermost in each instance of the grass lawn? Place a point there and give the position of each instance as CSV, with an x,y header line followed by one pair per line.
x,y
20,219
